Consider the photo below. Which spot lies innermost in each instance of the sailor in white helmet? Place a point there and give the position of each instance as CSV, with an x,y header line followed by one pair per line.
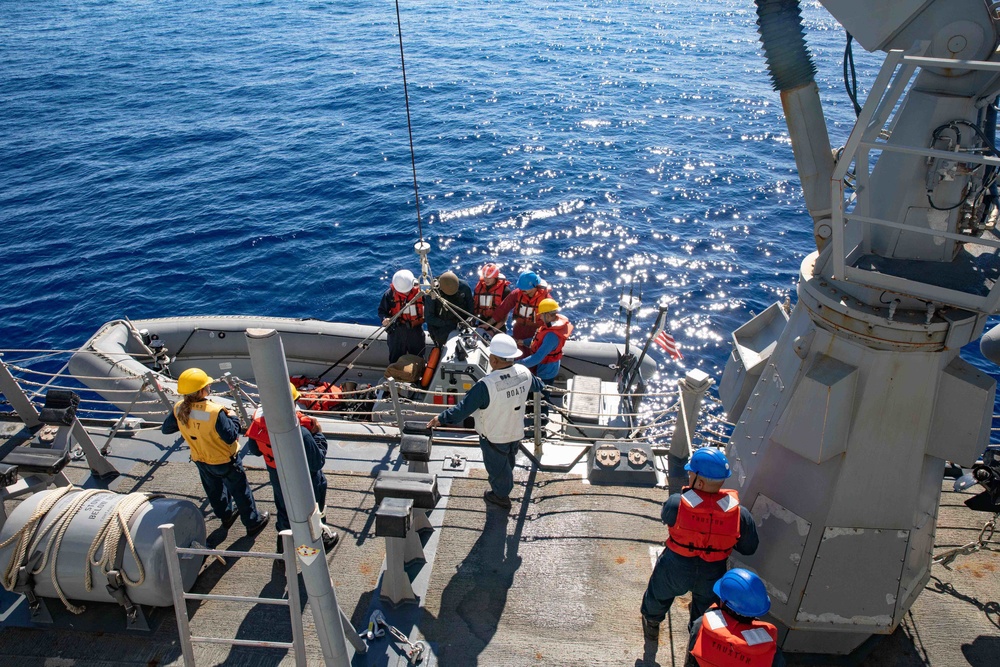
x,y
498,403
405,334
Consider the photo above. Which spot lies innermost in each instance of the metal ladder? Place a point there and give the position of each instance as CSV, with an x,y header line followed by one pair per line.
x,y
293,601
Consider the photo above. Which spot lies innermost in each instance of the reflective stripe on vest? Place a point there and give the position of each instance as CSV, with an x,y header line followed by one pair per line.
x,y
707,526
487,298
503,419
526,307
562,328
725,642
413,314
205,442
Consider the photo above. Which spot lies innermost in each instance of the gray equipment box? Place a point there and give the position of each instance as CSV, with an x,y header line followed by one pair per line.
x,y
419,487
392,517
610,463
416,441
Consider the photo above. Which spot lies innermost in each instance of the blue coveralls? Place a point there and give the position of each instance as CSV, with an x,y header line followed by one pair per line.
x,y
315,446
675,575
225,484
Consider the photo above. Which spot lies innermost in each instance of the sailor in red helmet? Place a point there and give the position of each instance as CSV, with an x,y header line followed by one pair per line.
x,y
547,345
402,313
729,634
492,288
706,523
523,301
314,442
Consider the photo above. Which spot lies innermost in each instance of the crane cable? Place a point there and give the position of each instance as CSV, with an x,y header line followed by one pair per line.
x,y
409,125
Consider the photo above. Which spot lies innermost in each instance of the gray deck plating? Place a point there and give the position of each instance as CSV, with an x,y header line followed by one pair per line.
x,y
557,581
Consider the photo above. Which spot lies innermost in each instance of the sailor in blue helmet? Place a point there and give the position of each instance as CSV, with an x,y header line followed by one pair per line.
x,y
729,634
523,301
706,523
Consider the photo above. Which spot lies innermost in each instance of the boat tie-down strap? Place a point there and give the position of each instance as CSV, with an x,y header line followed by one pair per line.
x,y
26,581
117,585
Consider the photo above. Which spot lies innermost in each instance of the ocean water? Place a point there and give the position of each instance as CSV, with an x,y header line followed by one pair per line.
x,y
232,157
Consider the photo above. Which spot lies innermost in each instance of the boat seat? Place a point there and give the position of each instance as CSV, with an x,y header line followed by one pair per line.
x,y
39,451
37,460
47,455
60,407
415,442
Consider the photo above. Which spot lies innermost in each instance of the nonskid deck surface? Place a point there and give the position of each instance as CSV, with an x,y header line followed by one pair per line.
x,y
557,581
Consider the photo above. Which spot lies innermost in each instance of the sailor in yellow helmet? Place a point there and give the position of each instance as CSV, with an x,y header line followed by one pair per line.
x,y
547,344
212,435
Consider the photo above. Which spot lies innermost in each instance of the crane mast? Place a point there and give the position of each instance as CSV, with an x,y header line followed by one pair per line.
x,y
847,409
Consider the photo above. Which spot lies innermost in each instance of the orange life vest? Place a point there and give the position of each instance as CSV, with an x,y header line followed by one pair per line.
x,y
488,298
725,642
562,328
258,433
526,307
413,315
316,395
708,525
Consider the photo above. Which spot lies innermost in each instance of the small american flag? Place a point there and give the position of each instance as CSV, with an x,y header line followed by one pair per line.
x,y
667,342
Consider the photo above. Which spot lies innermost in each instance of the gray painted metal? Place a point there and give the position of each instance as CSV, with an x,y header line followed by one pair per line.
x,y
692,389
753,344
12,390
113,358
268,356
840,444
72,556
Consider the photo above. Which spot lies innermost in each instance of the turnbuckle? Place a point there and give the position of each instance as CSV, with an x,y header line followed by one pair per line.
x,y
414,650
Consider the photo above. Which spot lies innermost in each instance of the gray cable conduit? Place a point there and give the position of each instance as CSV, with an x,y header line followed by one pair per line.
x,y
779,23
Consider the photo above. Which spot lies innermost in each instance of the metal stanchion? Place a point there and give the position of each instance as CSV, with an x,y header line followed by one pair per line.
x,y
267,355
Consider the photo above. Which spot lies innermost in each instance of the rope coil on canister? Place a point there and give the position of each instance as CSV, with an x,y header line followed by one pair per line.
x,y
113,536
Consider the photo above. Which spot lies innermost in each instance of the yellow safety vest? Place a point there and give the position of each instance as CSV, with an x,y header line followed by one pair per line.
x,y
205,443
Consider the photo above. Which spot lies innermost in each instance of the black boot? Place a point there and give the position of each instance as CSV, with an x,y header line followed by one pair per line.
x,y
650,630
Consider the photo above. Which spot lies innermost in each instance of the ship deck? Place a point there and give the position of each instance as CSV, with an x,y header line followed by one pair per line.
x,y
556,581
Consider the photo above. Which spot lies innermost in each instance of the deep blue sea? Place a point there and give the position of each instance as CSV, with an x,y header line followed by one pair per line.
x,y
223,157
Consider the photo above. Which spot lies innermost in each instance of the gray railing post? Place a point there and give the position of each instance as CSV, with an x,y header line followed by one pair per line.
x,y
692,389
234,391
294,601
154,383
538,422
394,394
177,592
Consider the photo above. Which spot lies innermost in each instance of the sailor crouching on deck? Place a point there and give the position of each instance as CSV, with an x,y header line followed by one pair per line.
x,y
706,524
498,401
212,436
315,444
729,634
